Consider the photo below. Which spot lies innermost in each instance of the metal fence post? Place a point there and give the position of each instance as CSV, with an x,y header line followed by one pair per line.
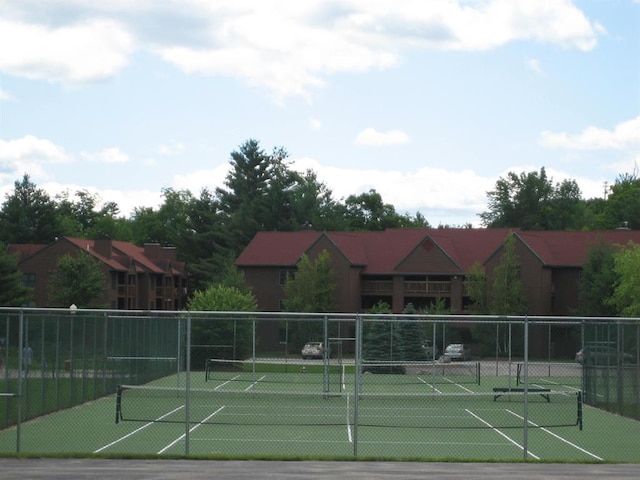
x,y
188,387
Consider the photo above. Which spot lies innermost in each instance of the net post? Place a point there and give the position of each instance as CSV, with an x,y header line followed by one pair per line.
x,y
119,404
580,418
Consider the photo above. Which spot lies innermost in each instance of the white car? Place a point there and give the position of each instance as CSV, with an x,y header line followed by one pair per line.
x,y
313,350
457,351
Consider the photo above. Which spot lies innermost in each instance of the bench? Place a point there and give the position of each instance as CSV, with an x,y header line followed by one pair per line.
x,y
498,391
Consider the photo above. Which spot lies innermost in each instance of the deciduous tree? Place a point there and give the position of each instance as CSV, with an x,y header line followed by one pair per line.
x,y
626,294
77,280
311,290
506,296
206,332
623,204
597,281
530,201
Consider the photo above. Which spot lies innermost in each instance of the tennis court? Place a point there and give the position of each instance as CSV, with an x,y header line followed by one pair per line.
x,y
120,385
249,412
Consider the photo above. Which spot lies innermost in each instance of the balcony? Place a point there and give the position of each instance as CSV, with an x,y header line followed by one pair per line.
x,y
126,290
385,287
438,288
377,287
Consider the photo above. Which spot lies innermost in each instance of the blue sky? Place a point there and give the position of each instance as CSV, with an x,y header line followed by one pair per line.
x,y
427,102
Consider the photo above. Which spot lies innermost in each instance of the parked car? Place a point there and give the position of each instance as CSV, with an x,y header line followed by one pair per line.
x,y
457,351
602,355
430,350
313,350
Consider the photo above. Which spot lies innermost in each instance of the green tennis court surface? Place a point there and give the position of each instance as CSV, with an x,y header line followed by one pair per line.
x,y
417,413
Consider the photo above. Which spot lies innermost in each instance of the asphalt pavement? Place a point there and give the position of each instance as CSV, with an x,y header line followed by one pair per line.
x,y
159,469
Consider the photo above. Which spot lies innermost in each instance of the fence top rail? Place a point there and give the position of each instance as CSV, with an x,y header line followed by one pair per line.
x,y
316,316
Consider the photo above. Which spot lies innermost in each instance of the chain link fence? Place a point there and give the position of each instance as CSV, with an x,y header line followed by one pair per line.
x,y
368,386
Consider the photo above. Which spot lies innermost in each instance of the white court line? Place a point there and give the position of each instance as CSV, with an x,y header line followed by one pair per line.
x,y
429,385
557,436
254,383
460,386
504,435
349,436
190,430
228,381
139,429
570,387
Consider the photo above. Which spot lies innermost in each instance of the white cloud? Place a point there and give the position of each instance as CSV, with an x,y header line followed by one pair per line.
x,y
589,188
200,179
315,123
371,136
292,48
30,148
442,196
29,155
287,48
108,155
624,135
92,50
127,201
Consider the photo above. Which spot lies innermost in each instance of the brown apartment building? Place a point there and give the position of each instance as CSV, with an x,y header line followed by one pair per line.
x,y
137,278
422,266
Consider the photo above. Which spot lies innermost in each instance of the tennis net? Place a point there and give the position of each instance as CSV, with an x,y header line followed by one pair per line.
x,y
420,372
557,374
139,369
274,375
221,406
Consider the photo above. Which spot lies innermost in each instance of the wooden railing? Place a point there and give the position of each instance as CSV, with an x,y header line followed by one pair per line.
x,y
126,290
429,287
377,287
385,287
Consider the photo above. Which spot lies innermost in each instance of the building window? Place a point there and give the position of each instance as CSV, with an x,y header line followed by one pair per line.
x,y
287,274
29,280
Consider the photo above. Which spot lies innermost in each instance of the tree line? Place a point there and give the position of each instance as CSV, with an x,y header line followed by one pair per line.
x,y
210,228
262,192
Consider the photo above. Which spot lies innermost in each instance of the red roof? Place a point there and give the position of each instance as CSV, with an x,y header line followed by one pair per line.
x,y
571,249
277,248
24,250
383,252
378,252
124,254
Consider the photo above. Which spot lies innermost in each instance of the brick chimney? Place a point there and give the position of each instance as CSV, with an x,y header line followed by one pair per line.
x,y
169,253
103,247
152,250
